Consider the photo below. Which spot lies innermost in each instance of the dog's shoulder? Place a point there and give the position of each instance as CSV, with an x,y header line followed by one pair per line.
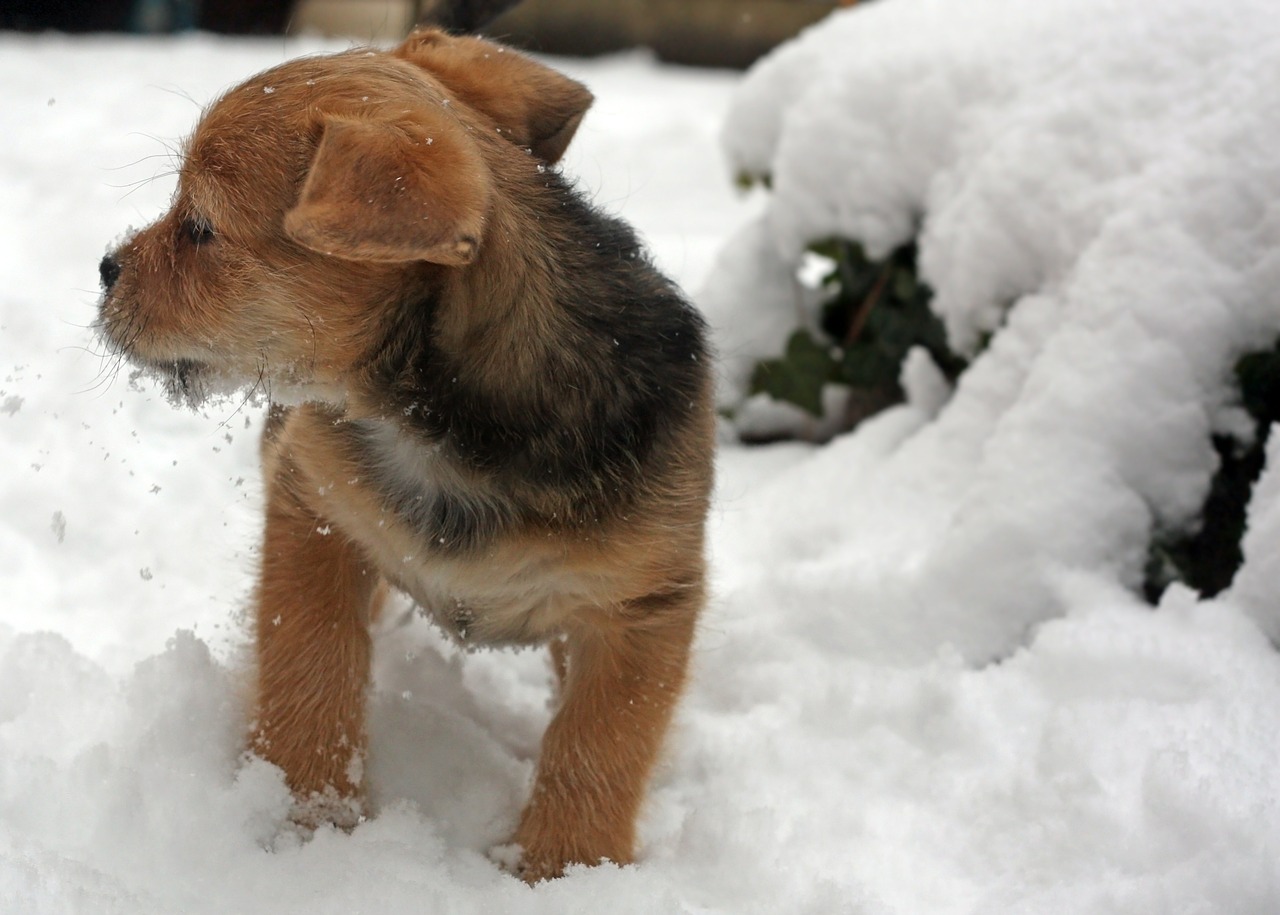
x,y
574,398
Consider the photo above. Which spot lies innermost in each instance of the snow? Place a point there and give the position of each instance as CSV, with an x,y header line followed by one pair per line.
x,y
924,683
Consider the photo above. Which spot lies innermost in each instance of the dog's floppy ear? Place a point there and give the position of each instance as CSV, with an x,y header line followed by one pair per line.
x,y
393,192
533,105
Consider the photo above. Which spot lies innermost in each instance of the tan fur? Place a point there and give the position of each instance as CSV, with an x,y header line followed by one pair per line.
x,y
364,182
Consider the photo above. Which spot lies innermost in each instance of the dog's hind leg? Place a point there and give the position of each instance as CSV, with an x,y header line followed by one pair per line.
x,y
313,653
623,677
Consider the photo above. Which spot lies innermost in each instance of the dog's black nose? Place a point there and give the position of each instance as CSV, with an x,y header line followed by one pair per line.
x,y
109,271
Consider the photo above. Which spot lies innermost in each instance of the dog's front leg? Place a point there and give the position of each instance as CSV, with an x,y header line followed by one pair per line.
x,y
621,682
313,650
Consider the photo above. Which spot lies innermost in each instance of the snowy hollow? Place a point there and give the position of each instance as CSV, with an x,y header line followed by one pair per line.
x,y
925,682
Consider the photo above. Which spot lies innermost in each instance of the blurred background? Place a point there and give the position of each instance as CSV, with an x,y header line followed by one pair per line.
x,y
717,33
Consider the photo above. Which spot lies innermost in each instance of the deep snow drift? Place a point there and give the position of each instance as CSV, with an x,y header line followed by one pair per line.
x,y
923,684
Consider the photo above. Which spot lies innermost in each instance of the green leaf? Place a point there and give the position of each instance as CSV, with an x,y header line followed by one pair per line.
x,y
866,365
797,377
905,285
893,328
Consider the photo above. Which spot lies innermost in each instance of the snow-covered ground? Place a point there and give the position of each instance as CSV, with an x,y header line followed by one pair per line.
x,y
924,684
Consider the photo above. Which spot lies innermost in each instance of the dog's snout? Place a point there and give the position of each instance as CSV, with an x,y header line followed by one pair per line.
x,y
109,271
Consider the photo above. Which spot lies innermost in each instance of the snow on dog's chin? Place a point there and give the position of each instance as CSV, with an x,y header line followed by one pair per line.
x,y
197,385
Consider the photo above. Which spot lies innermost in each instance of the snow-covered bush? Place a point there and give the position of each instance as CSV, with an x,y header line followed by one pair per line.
x,y
1093,189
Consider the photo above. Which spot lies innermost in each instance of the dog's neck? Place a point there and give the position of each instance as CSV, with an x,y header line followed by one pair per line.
x,y
509,316
499,316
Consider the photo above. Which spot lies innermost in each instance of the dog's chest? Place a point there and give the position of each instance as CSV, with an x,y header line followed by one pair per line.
x,y
440,534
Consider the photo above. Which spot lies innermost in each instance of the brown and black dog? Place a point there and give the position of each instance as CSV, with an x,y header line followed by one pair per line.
x,y
499,406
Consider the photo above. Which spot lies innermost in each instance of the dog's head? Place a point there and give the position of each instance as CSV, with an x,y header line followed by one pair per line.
x,y
311,197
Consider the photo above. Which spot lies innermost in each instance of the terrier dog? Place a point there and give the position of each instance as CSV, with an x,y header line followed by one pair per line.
x,y
497,405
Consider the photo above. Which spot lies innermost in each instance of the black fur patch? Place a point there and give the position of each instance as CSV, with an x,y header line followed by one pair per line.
x,y
627,370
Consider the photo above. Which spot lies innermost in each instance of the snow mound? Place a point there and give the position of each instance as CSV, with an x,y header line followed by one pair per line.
x,y
1094,189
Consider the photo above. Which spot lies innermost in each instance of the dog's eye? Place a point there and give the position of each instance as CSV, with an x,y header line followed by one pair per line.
x,y
198,230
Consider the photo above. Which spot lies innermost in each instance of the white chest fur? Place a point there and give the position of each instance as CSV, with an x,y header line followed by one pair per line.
x,y
442,534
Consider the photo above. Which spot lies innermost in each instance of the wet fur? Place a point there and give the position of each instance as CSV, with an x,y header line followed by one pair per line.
x,y
501,407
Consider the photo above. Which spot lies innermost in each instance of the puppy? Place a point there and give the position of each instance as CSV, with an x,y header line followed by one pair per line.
x,y
499,406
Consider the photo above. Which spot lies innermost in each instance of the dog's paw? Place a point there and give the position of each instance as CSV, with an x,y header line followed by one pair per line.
x,y
534,865
531,868
534,870
326,808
